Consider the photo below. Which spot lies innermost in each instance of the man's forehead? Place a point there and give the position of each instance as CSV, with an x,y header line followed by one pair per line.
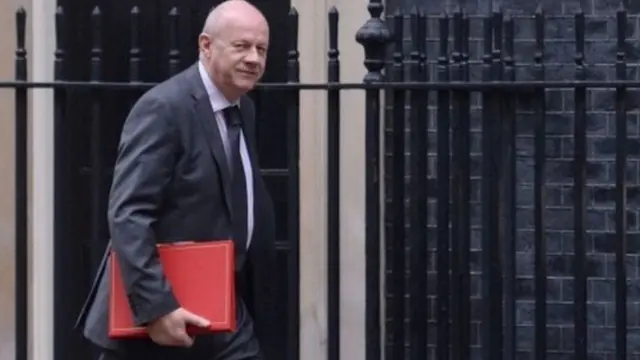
x,y
245,30
248,21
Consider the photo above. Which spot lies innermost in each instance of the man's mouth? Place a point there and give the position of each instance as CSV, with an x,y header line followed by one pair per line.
x,y
247,73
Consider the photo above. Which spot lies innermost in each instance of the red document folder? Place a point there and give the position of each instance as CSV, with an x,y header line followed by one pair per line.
x,y
202,276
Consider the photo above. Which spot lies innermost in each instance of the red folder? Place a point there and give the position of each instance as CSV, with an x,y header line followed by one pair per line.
x,y
202,276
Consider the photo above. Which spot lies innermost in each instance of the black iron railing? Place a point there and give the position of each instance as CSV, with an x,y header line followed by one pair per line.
x,y
427,171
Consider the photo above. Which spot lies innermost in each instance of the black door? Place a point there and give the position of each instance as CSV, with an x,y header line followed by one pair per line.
x,y
88,122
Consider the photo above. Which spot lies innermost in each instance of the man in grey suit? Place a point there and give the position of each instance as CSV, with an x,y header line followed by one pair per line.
x,y
187,169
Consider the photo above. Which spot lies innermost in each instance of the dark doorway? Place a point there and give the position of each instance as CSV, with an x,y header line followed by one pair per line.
x,y
80,213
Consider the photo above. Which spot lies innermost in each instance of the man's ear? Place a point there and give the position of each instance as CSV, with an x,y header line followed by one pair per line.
x,y
204,44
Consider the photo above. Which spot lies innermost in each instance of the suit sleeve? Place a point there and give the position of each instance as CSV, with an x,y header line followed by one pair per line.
x,y
143,169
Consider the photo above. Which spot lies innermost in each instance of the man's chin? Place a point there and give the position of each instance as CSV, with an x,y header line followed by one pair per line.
x,y
245,85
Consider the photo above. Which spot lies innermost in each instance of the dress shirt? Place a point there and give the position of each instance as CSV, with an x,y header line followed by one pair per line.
x,y
219,103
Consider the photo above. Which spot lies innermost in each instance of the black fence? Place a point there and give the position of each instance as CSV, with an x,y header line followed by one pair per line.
x,y
432,306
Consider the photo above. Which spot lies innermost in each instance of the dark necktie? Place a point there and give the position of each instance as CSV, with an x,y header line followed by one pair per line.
x,y
238,183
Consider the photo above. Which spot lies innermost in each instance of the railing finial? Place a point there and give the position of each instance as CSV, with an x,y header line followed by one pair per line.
x,y
374,37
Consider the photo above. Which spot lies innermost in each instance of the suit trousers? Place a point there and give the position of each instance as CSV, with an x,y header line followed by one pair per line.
x,y
239,345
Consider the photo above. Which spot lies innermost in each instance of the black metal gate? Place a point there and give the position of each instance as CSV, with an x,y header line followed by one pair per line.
x,y
452,240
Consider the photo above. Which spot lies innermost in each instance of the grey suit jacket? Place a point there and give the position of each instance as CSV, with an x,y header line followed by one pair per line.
x,y
171,184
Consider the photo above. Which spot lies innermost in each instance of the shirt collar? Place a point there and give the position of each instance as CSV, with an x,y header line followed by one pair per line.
x,y
218,101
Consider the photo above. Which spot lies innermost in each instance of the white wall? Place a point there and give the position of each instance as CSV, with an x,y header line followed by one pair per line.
x,y
42,30
313,44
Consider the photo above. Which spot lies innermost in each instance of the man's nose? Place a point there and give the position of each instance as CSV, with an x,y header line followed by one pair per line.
x,y
253,56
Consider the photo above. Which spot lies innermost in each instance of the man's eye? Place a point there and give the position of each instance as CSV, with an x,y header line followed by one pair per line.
x,y
240,46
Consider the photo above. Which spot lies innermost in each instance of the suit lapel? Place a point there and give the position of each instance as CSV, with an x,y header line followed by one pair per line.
x,y
206,117
248,127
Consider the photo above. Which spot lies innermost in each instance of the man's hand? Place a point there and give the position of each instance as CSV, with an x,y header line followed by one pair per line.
x,y
170,330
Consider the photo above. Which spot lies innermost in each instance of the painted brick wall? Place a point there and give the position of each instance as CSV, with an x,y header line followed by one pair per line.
x,y
600,56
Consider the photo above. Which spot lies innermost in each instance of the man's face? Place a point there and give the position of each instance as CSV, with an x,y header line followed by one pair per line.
x,y
237,56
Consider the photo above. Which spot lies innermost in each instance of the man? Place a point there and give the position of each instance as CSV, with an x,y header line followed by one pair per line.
x,y
187,170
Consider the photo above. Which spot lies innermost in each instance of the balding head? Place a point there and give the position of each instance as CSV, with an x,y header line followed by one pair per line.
x,y
233,46
230,11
